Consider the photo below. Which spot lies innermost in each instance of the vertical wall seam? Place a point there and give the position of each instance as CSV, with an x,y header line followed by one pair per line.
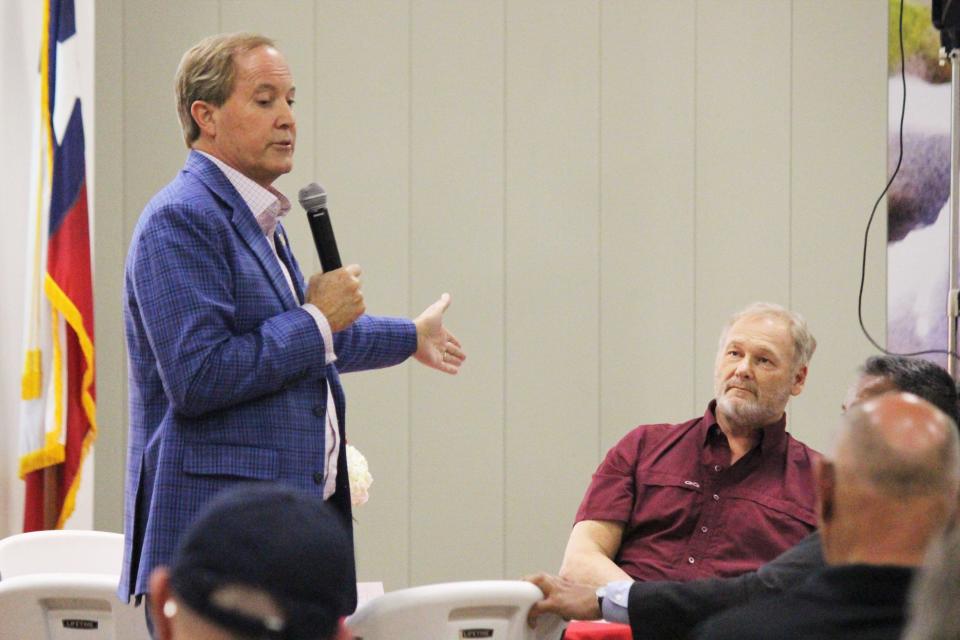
x,y
409,287
790,176
504,513
316,83
125,226
599,230
123,118
694,212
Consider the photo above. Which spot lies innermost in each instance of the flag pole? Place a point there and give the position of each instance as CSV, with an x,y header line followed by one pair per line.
x,y
51,490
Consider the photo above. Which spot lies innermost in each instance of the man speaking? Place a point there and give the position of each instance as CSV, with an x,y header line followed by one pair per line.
x,y
234,358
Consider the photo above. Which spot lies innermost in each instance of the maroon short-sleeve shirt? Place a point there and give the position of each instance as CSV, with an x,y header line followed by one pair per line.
x,y
688,513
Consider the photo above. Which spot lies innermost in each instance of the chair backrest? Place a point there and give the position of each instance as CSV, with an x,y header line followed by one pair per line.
x,y
67,606
489,609
61,551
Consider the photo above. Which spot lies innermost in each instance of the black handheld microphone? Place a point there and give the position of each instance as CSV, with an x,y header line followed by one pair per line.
x,y
314,199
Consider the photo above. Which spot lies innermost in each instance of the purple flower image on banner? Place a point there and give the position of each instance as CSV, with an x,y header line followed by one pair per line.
x,y
917,203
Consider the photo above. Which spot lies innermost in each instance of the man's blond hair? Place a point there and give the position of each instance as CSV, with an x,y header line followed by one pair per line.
x,y
207,72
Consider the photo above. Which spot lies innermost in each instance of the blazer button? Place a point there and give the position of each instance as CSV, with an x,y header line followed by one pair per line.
x,y
318,477
318,411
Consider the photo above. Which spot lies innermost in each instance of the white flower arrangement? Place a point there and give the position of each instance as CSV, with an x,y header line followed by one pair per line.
x,y
360,478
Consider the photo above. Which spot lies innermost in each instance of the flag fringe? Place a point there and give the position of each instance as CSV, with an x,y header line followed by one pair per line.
x,y
32,376
52,453
65,306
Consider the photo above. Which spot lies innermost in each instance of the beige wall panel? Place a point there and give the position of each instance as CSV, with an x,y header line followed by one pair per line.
x,y
552,278
743,166
362,159
133,162
647,216
456,241
110,247
288,23
622,174
155,35
838,166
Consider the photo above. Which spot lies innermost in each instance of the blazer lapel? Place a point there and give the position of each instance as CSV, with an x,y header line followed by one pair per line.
x,y
285,254
245,223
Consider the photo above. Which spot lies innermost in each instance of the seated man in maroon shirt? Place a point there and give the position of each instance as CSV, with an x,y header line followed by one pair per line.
x,y
718,495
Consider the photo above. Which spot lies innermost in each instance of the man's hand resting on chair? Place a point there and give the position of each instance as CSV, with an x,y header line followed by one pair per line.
x,y
567,599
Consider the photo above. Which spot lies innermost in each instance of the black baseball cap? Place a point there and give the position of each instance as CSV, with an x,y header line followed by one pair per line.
x,y
273,539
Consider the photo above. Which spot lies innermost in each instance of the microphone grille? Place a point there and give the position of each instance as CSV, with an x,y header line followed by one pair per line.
x,y
312,197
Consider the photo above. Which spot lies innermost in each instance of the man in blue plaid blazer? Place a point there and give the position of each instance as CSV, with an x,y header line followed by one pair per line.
x,y
234,360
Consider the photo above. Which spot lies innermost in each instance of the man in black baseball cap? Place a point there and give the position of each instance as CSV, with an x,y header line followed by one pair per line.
x,y
260,561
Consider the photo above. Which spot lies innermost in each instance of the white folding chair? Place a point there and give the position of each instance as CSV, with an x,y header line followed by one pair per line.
x,y
489,609
67,606
61,585
61,551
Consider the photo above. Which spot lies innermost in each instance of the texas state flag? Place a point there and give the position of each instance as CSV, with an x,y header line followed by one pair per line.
x,y
57,410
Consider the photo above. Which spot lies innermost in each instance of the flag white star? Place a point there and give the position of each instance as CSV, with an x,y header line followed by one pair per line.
x,y
68,85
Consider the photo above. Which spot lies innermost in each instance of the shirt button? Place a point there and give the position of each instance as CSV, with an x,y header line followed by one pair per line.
x,y
716,497
318,477
318,411
717,467
691,560
704,529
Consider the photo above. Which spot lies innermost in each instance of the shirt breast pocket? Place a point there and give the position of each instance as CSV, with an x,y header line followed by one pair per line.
x,y
665,501
766,524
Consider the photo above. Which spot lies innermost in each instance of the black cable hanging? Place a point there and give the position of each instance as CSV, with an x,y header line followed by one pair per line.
x,y
873,213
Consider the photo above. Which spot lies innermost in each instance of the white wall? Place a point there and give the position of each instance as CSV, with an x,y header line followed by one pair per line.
x,y
20,30
597,184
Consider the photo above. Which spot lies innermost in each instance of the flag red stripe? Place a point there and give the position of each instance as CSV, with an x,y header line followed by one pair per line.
x,y
68,259
77,423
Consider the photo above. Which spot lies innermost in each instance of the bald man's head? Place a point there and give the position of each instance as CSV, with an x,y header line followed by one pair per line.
x,y
901,445
892,482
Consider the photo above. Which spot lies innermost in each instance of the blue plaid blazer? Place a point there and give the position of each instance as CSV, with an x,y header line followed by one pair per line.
x,y
227,380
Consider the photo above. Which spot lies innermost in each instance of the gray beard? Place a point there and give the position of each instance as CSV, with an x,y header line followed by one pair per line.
x,y
752,413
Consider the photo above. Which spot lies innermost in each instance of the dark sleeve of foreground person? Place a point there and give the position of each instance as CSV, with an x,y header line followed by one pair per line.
x,y
667,609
